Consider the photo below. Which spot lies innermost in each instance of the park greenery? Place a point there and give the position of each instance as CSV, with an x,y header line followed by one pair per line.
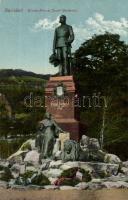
x,y
22,123
100,67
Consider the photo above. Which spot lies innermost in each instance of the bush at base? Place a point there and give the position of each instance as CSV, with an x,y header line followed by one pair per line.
x,y
68,177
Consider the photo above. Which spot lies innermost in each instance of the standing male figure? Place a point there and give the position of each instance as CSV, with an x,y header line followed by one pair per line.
x,y
63,37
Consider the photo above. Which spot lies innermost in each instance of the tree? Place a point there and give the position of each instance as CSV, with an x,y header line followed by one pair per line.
x,y
102,66
103,59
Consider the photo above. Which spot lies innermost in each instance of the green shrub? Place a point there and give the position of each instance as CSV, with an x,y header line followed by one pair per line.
x,y
71,173
27,174
6,176
40,180
86,175
1,168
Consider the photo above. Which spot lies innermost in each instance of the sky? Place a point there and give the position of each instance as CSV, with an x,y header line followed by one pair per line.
x,y
27,28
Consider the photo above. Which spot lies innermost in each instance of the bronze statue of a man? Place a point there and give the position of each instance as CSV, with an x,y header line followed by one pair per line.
x,y
63,37
48,131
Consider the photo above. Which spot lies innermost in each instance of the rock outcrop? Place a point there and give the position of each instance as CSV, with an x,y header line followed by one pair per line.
x,y
73,165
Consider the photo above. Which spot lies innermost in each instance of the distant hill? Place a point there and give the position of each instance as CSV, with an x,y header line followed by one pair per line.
x,y
6,73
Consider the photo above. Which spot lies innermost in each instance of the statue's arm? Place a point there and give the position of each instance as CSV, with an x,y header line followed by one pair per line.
x,y
71,38
42,127
54,41
57,129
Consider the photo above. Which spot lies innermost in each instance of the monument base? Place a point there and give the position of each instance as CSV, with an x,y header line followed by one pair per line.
x,y
63,108
70,125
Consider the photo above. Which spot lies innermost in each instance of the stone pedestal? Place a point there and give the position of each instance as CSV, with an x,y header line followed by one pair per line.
x,y
62,107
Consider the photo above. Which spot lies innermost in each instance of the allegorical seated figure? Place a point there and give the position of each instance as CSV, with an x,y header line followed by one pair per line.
x,y
70,151
90,150
47,133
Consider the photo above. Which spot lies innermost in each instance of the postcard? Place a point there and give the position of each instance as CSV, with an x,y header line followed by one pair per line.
x,y
63,99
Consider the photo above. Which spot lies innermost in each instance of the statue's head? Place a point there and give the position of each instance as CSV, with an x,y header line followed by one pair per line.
x,y
47,115
62,19
68,146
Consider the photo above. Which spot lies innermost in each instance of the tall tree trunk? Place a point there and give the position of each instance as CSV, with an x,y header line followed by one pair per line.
x,y
103,126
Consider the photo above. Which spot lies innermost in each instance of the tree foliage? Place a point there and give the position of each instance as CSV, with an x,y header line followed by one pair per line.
x,y
104,61
102,66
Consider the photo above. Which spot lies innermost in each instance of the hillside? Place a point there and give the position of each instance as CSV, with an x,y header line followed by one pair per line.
x,y
15,86
6,73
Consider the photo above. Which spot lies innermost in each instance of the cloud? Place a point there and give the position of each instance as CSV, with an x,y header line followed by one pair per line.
x,y
96,24
46,24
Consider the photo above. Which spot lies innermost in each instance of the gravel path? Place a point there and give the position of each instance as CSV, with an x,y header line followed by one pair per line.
x,y
114,194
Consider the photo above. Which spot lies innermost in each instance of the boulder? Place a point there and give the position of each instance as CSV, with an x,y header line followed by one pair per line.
x,y
125,164
57,155
118,184
82,186
45,164
1,173
22,168
90,185
31,168
52,180
34,187
53,173
55,164
51,187
18,187
64,187
63,137
11,182
96,180
124,170
4,164
15,170
95,186
20,154
96,169
119,177
65,167
79,175
84,165
111,158
68,165
4,184
32,157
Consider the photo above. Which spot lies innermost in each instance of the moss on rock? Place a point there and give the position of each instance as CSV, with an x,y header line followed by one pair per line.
x,y
40,180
